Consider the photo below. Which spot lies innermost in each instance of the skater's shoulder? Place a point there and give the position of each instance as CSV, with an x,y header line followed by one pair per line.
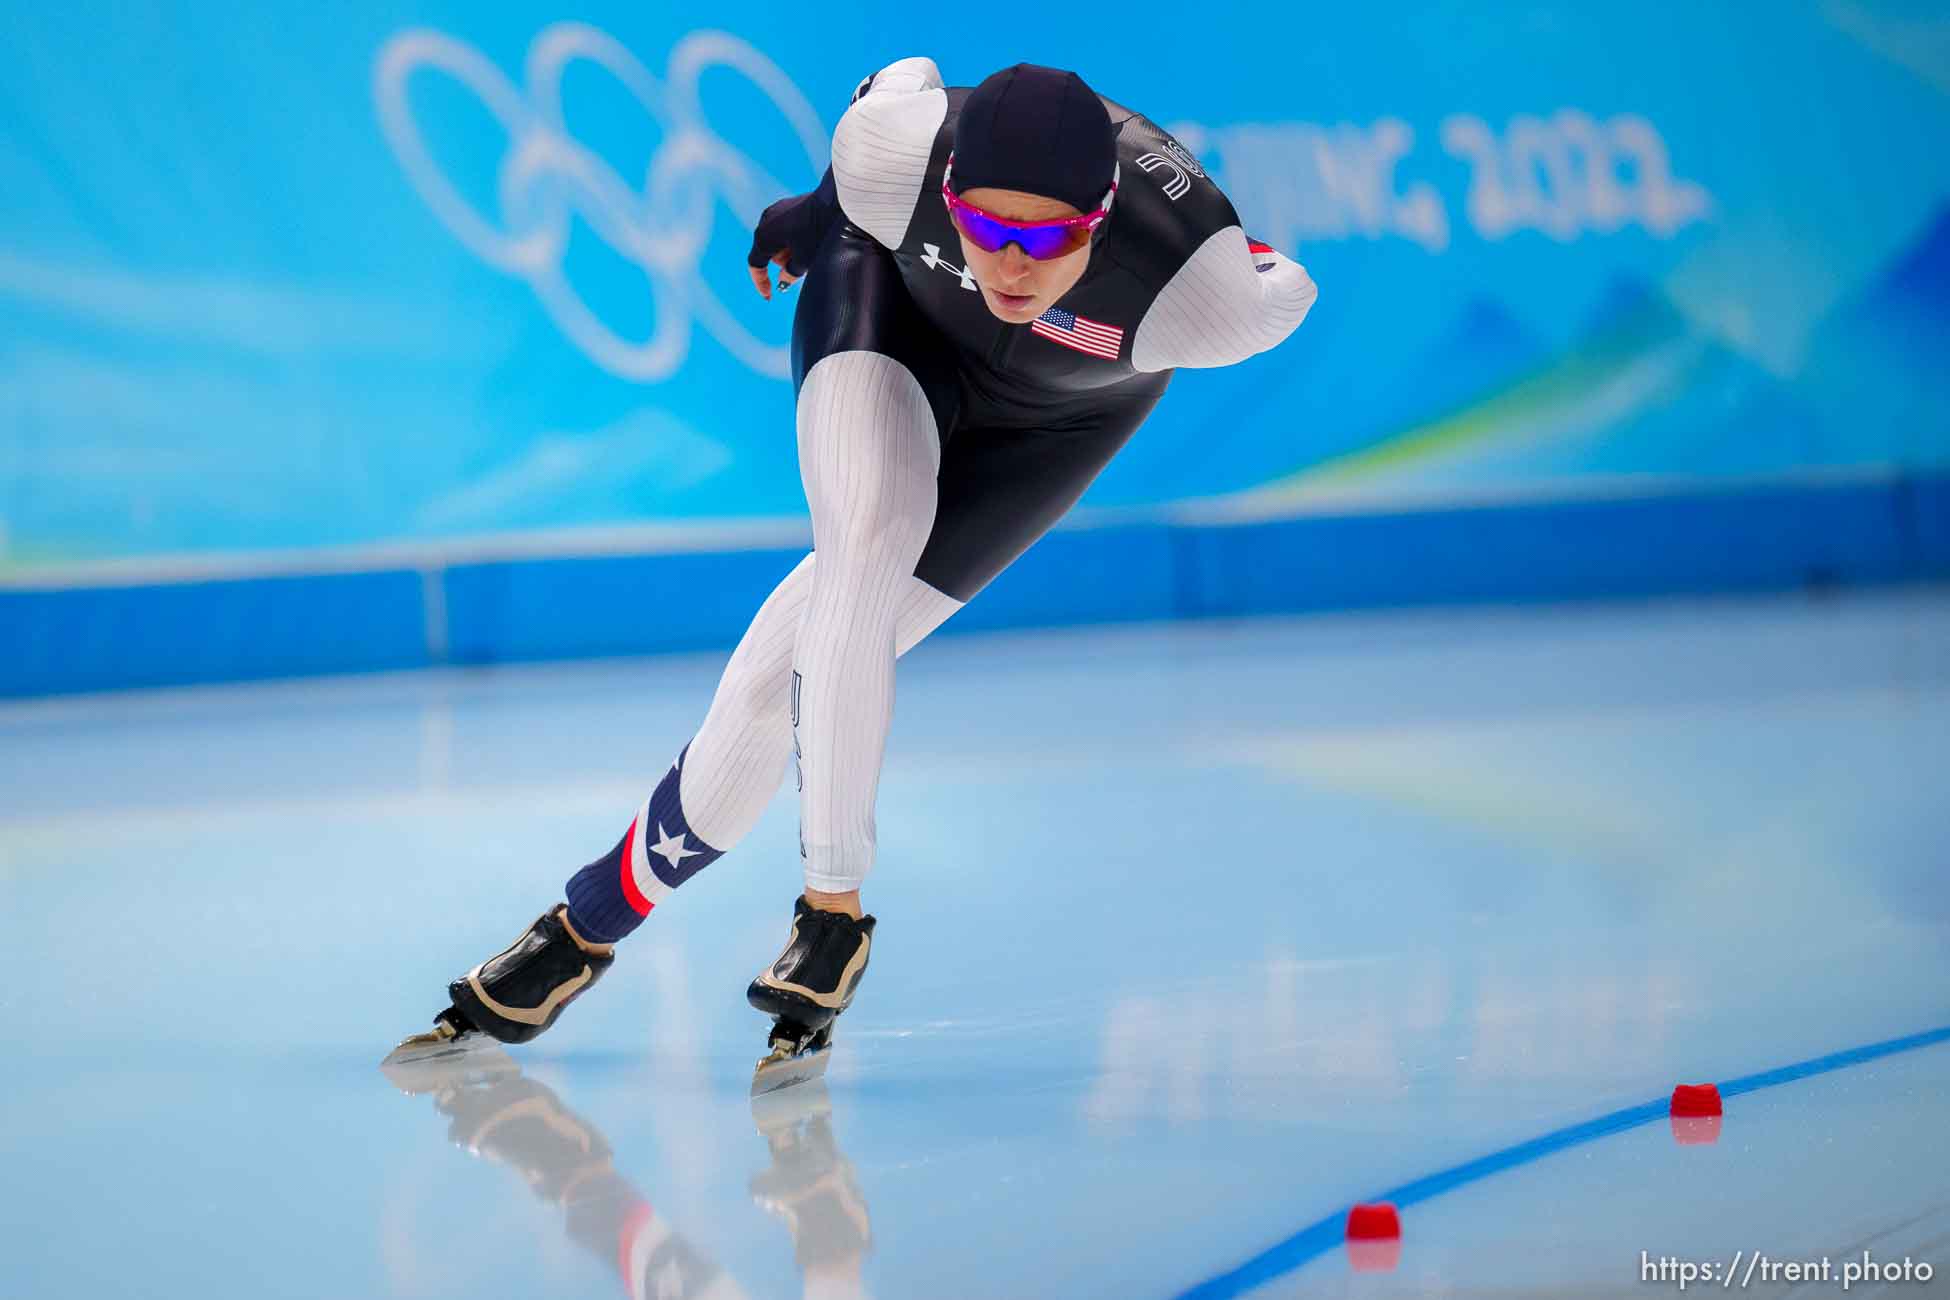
x,y
886,143
1167,206
914,74
895,110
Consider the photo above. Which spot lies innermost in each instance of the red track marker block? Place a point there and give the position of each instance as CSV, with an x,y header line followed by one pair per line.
x,y
1694,1100
1374,1238
1373,1222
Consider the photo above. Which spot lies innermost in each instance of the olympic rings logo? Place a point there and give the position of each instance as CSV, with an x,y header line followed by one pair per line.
x,y
546,178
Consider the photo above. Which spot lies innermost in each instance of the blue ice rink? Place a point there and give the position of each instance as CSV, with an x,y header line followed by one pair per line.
x,y
1190,937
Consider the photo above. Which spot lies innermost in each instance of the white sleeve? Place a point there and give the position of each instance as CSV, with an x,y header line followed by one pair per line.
x,y
882,145
1228,302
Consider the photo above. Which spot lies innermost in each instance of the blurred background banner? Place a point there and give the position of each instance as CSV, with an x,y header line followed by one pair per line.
x,y
396,334
435,275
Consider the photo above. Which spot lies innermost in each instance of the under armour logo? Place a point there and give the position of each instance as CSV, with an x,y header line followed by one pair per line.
x,y
931,258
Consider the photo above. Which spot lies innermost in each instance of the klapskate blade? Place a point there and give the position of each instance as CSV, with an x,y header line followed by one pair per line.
x,y
771,1075
423,1049
417,1067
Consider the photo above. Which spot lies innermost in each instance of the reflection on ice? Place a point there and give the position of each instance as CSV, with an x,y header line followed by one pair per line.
x,y
497,1112
812,1186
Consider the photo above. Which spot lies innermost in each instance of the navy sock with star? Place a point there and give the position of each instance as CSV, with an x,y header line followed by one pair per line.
x,y
610,897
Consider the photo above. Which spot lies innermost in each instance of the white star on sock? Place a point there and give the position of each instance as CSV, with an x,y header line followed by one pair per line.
x,y
671,848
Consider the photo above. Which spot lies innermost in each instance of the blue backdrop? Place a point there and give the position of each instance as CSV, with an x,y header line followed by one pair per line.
x,y
323,288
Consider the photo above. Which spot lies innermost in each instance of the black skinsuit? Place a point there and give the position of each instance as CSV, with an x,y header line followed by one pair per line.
x,y
1026,423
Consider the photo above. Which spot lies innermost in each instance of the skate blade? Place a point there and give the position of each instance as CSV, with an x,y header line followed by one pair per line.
x,y
424,1062
782,1069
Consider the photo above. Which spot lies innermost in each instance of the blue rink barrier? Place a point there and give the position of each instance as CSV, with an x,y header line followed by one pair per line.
x,y
576,607
176,634
1749,539
1926,521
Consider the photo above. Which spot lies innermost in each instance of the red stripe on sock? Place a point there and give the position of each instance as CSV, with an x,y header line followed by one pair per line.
x,y
631,893
626,1242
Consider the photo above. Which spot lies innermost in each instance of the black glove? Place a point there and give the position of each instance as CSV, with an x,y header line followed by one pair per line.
x,y
795,226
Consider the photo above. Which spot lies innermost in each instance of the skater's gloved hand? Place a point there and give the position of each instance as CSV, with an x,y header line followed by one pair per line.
x,y
788,234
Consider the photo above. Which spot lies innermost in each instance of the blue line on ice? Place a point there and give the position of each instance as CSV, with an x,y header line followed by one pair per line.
x,y
1323,1235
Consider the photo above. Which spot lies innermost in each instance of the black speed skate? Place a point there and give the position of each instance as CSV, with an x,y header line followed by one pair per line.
x,y
812,981
516,994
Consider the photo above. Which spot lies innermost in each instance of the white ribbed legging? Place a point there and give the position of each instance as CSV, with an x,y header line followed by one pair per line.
x,y
816,668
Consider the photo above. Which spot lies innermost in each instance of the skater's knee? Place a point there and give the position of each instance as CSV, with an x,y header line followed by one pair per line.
x,y
872,511
881,537
755,682
761,696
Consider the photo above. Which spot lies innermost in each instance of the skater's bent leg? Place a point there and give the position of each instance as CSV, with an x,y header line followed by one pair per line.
x,y
869,451
996,492
733,766
715,790
724,779
923,610
717,787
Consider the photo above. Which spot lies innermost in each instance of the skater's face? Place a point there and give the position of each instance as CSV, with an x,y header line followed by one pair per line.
x,y
1015,286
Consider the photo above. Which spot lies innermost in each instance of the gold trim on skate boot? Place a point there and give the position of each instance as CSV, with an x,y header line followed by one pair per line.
x,y
593,949
526,1015
834,1001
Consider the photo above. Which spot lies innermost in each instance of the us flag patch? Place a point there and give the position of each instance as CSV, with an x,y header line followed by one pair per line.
x,y
1079,332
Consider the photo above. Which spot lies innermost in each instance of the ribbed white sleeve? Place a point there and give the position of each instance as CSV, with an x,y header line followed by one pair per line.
x,y
1221,308
882,145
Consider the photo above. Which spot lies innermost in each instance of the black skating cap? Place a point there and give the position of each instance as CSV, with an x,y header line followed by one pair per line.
x,y
1038,130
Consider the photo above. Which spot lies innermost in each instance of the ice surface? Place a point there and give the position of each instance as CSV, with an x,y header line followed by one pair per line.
x,y
1189,938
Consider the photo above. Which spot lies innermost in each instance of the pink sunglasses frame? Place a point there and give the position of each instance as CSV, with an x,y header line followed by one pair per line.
x,y
1089,221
